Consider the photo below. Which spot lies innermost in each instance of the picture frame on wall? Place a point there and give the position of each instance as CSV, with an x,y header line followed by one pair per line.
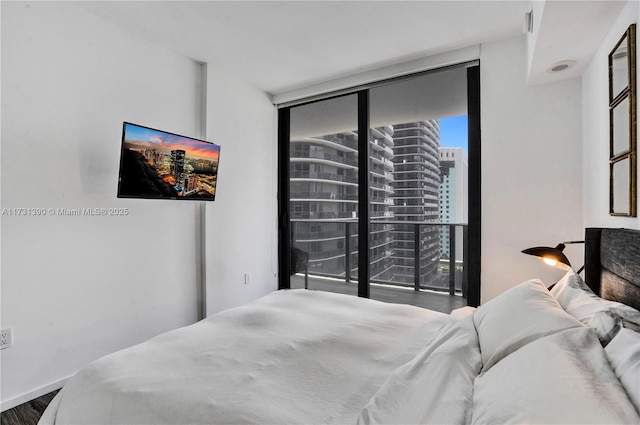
x,y
623,180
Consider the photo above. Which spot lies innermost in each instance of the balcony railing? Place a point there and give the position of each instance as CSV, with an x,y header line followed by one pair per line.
x,y
329,176
422,240
323,195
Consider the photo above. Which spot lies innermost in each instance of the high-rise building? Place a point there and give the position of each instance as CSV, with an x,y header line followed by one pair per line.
x,y
416,185
177,166
454,167
381,203
153,157
191,184
324,190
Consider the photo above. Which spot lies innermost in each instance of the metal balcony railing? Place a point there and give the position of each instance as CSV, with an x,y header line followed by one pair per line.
x,y
422,239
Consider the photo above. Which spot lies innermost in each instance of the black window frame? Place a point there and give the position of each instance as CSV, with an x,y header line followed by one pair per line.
x,y
472,245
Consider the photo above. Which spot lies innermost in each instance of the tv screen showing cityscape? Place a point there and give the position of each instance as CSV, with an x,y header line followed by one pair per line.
x,y
156,164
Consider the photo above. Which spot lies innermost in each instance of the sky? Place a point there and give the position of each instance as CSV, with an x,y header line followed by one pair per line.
x,y
453,132
166,142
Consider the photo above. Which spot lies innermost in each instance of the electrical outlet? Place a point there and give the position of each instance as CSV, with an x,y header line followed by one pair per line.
x,y
247,278
6,338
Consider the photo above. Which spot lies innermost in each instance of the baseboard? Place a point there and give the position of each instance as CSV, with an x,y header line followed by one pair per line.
x,y
17,401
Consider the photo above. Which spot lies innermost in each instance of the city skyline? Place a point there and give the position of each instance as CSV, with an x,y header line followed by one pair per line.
x,y
147,138
157,164
406,174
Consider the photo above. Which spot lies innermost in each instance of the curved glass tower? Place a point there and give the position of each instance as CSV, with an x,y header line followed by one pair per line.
x,y
324,194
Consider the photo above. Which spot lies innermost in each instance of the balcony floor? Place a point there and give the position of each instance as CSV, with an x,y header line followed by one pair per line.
x,y
431,300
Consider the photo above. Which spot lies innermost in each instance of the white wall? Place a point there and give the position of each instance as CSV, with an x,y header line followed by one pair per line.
x,y
241,224
77,287
531,168
595,125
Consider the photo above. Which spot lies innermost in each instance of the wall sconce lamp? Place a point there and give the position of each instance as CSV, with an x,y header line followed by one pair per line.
x,y
553,256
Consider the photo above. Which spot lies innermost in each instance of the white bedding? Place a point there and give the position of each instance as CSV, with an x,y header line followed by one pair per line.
x,y
306,357
293,356
436,387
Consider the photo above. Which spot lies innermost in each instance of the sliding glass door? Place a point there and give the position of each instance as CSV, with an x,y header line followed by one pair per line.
x,y
323,192
420,198
374,192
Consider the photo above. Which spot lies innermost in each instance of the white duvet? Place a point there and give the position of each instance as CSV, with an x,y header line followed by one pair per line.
x,y
295,356
306,357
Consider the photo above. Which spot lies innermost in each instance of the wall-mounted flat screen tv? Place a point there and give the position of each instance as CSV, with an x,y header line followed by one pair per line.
x,y
155,164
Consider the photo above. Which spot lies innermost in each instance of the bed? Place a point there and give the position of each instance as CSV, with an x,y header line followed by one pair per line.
x,y
533,355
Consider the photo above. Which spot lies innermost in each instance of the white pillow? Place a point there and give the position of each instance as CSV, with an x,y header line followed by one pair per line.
x,y
623,353
516,317
436,387
559,379
605,316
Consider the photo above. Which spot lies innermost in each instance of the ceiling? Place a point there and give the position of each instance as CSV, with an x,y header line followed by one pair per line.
x,y
568,31
279,46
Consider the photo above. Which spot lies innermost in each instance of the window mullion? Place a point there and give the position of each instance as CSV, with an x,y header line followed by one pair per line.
x,y
363,194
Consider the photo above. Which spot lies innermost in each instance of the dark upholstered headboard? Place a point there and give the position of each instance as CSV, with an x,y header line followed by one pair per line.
x,y
612,264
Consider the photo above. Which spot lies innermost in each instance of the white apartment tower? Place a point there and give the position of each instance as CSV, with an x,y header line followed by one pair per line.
x,y
324,196
454,167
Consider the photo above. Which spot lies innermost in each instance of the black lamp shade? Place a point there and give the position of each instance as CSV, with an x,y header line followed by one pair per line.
x,y
551,254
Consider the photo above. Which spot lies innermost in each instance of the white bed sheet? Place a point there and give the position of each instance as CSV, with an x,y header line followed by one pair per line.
x,y
436,387
306,357
266,362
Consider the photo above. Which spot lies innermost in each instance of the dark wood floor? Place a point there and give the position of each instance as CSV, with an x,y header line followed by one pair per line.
x,y
431,300
28,413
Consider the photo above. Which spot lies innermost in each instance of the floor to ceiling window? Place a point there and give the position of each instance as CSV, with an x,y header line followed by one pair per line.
x,y
384,215
323,185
